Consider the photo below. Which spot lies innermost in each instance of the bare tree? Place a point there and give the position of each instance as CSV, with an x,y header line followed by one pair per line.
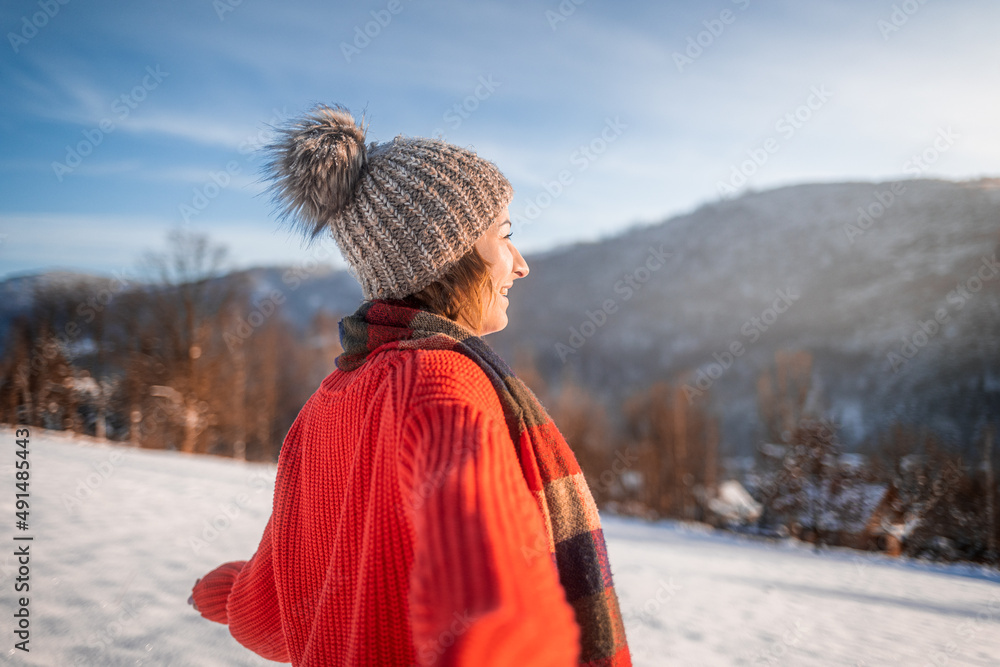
x,y
990,491
582,420
189,309
37,382
783,395
678,442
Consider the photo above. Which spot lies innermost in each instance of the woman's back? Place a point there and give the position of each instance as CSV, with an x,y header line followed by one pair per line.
x,y
403,531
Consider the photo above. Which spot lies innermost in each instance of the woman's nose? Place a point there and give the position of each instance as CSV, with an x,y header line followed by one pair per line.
x,y
520,266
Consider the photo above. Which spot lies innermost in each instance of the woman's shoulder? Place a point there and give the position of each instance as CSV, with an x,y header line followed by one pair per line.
x,y
418,376
439,375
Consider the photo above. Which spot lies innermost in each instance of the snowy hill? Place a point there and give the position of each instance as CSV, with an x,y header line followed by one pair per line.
x,y
121,534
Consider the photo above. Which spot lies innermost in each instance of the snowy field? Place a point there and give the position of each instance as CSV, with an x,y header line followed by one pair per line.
x,y
121,535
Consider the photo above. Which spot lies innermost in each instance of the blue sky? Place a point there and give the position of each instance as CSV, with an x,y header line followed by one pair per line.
x,y
643,110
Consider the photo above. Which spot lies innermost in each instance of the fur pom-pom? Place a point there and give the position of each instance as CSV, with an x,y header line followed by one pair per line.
x,y
314,165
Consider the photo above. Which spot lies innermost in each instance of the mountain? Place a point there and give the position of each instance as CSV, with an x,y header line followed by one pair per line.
x,y
856,268
302,291
893,287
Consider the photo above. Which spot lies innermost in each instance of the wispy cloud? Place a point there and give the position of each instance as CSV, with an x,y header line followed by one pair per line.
x,y
558,84
205,130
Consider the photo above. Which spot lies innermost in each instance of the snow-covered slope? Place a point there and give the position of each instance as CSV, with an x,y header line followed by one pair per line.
x,y
121,535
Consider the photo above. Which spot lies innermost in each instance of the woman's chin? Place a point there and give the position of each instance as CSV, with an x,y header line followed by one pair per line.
x,y
498,322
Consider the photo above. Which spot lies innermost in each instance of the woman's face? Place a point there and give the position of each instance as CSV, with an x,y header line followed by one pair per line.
x,y
507,266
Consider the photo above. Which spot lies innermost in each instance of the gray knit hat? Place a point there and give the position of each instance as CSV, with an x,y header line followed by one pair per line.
x,y
402,212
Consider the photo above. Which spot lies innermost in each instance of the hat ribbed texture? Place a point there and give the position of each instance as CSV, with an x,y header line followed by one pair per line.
x,y
401,212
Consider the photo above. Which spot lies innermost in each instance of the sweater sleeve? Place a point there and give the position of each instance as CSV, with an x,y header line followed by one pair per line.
x,y
484,590
242,595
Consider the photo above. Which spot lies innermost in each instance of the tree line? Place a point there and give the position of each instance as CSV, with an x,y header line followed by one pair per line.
x,y
166,362
185,360
906,491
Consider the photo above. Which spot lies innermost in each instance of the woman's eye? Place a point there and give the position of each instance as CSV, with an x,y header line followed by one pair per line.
x,y
509,235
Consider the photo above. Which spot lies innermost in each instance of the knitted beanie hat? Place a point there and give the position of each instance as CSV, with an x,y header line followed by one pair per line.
x,y
402,212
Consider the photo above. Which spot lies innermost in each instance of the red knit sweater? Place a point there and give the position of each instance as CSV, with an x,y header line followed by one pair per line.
x,y
399,524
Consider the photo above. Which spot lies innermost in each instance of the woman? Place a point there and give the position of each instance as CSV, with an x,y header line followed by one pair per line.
x,y
426,509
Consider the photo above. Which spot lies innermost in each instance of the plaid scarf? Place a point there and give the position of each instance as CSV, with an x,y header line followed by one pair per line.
x,y
575,540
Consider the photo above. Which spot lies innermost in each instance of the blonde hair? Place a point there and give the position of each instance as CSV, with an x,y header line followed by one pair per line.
x,y
459,292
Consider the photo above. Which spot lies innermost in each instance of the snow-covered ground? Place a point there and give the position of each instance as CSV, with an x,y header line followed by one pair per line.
x,y
120,535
